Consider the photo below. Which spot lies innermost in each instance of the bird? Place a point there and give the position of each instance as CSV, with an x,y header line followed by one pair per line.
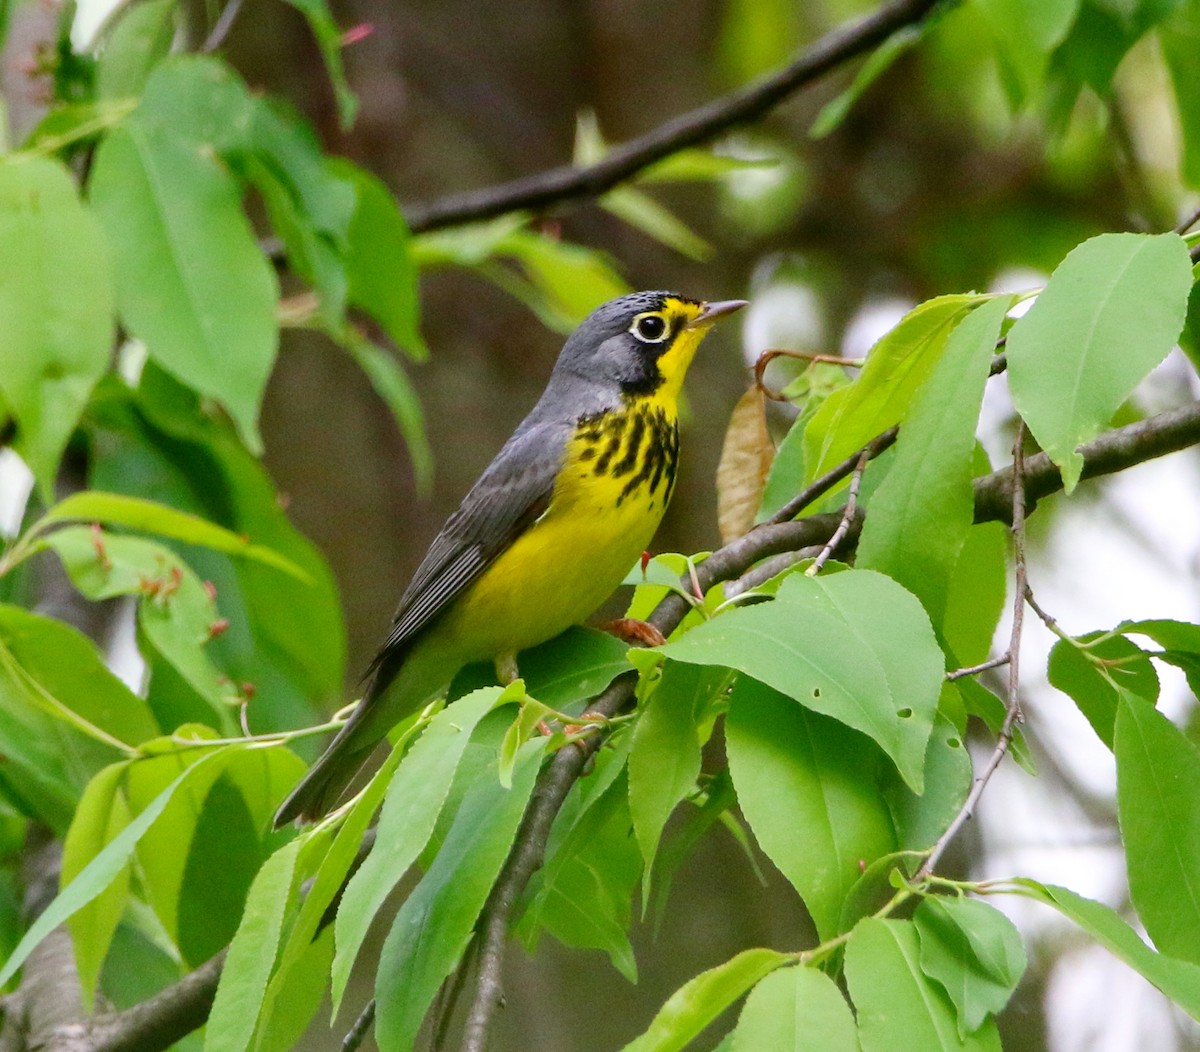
x,y
545,535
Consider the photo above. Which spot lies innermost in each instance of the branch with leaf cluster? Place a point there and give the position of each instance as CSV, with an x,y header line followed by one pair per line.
x,y
997,498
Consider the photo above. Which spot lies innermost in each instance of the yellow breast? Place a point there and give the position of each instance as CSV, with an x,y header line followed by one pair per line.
x,y
608,500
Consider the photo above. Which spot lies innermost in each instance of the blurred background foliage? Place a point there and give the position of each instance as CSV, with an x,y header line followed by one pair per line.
x,y
974,159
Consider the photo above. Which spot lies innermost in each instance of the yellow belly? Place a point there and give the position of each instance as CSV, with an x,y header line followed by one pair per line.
x,y
599,521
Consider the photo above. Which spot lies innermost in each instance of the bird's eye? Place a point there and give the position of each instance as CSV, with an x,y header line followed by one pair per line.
x,y
649,328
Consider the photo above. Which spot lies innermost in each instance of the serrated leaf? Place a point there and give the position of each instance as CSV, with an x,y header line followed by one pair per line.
x,y
852,645
115,509
804,784
795,1010
53,347
894,997
1096,689
1158,805
104,868
880,395
230,1024
1179,980
924,508
744,466
665,758
433,927
921,819
974,952
700,1000
1110,313
414,800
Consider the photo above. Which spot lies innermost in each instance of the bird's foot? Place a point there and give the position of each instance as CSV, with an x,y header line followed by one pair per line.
x,y
634,632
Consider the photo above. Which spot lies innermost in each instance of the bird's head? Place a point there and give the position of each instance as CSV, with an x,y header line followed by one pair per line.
x,y
641,344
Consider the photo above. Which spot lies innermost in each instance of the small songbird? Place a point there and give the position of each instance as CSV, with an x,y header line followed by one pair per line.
x,y
549,530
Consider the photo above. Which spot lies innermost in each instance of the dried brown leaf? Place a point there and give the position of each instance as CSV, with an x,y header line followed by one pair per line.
x,y
745,461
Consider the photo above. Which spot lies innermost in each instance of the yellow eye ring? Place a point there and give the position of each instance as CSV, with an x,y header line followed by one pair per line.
x,y
650,327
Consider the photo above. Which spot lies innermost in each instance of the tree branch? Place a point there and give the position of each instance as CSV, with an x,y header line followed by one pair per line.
x,y
700,125
1114,451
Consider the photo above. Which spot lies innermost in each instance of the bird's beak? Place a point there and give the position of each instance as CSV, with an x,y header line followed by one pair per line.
x,y
714,311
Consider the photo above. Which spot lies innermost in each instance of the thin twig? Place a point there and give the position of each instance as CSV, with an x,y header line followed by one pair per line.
x,y
689,129
767,357
222,26
847,517
1013,705
974,670
361,1028
1188,222
1044,617
819,487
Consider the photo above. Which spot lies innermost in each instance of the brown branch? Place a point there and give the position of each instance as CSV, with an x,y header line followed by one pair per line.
x,y
821,486
1113,451
848,515
741,107
166,1017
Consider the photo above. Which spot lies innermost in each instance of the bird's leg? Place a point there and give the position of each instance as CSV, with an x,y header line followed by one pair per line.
x,y
631,630
506,668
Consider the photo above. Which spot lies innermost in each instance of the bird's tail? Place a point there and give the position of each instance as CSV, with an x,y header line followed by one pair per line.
x,y
319,790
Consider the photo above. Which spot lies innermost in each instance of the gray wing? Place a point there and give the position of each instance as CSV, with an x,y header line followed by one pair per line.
x,y
510,496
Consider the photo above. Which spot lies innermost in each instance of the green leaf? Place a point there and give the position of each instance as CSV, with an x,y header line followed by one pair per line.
x,y
1179,980
795,1010
665,759
176,613
433,927
923,510
191,281
53,346
700,1000
804,784
379,266
1179,38
57,668
1024,33
642,212
877,63
974,952
586,901
105,867
115,509
101,815
975,593
329,40
391,383
1180,641
567,282
894,998
1095,689
921,819
852,645
1158,804
141,39
297,996
1110,313
285,635
323,890
879,397
573,667
230,1024
414,800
